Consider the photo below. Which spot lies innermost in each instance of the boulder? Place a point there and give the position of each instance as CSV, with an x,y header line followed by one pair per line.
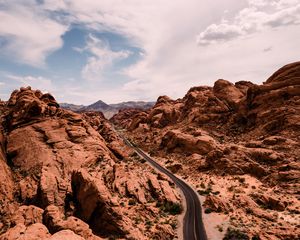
x,y
227,92
251,207
98,212
216,204
262,155
55,220
65,234
288,71
269,202
176,141
174,168
28,215
35,231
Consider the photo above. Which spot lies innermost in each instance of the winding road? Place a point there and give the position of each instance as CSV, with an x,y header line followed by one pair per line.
x,y
193,228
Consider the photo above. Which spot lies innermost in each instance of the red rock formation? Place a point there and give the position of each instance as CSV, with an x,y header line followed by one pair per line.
x,y
233,129
227,92
177,141
59,175
123,117
215,204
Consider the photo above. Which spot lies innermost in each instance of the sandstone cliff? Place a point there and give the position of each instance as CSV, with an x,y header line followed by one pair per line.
x,y
69,176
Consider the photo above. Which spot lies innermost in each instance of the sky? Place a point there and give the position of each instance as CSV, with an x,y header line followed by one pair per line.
x,y
117,50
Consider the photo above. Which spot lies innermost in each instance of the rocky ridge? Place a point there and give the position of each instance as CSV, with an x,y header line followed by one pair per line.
x,y
69,176
238,144
108,109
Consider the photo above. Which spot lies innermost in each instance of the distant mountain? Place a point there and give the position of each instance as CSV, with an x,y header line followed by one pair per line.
x,y
72,107
133,104
108,109
98,106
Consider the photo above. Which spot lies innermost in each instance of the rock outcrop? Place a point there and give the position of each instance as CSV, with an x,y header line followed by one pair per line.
x,y
177,141
62,176
240,129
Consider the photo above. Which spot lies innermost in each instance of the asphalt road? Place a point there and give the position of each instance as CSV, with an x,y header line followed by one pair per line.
x,y
193,228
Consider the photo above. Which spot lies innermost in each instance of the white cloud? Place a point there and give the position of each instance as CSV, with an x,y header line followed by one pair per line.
x,y
258,16
102,58
36,82
219,32
260,3
166,31
172,62
30,35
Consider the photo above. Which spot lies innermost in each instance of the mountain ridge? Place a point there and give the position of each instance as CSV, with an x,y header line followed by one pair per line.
x,y
108,109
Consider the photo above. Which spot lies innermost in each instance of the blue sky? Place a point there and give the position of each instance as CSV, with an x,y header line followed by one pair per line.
x,y
117,50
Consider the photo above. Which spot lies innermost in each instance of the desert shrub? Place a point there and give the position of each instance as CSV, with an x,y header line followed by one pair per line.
x,y
220,228
134,155
131,202
255,237
241,179
169,207
148,223
235,234
204,192
173,225
137,220
208,210
216,193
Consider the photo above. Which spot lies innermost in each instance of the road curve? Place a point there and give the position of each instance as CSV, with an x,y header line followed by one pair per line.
x,y
193,227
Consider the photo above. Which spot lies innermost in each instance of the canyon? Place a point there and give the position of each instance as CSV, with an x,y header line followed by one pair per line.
x,y
70,175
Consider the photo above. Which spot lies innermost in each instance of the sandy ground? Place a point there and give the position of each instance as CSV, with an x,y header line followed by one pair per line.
x,y
215,223
181,216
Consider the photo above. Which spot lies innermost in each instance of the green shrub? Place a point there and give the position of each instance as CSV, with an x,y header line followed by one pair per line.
x,y
142,160
216,193
241,179
169,207
208,210
256,237
173,225
204,192
220,228
149,224
131,202
235,234
138,220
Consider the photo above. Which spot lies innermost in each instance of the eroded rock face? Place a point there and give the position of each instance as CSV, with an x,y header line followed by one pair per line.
x,y
65,234
61,174
123,118
181,142
215,204
29,105
55,221
262,121
240,129
287,72
35,231
228,92
98,210
103,210
28,215
6,187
